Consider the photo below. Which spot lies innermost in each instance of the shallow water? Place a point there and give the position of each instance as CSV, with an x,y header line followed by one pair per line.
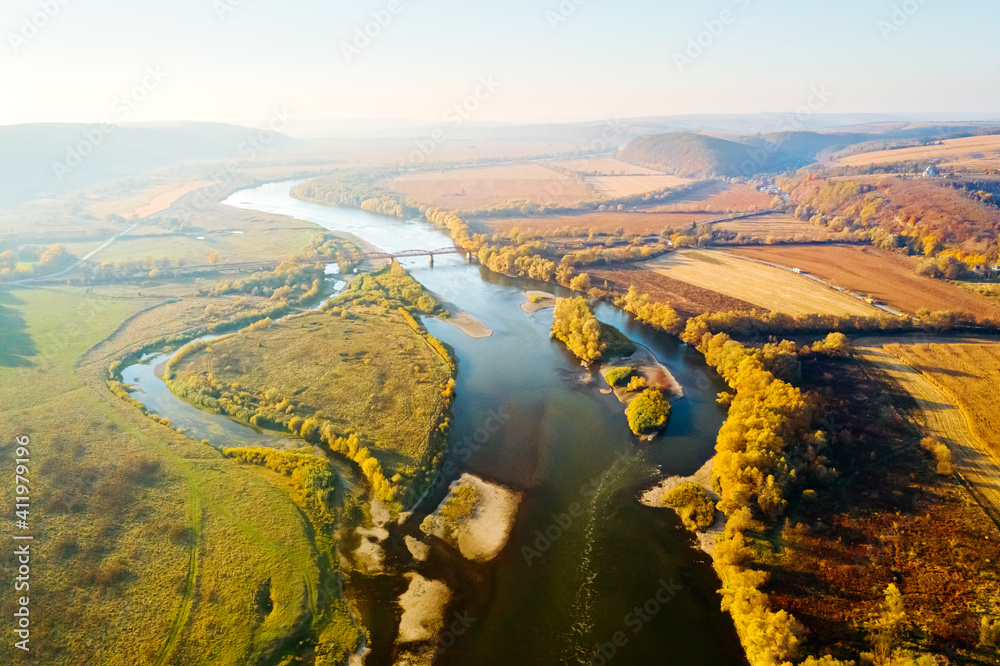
x,y
589,575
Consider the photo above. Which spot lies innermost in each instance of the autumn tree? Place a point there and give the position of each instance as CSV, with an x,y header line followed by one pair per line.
x,y
888,625
580,283
575,325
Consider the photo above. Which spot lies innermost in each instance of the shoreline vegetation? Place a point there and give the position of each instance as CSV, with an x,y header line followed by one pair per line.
x,y
475,518
592,341
234,377
575,325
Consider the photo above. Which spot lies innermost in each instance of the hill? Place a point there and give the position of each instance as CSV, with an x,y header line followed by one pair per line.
x,y
692,155
700,155
731,155
29,153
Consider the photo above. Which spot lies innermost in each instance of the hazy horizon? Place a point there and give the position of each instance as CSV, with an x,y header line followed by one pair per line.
x,y
531,61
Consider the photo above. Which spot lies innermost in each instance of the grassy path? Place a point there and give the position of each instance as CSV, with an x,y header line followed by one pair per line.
x,y
190,585
944,420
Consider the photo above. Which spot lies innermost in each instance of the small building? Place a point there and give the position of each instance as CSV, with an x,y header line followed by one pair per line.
x,y
931,172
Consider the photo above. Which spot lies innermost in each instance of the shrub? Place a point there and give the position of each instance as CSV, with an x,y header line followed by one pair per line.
x,y
648,413
636,384
461,504
695,506
941,453
618,376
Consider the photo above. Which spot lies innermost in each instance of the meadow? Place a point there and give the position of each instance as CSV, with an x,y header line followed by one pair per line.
x,y
777,227
151,546
368,372
626,185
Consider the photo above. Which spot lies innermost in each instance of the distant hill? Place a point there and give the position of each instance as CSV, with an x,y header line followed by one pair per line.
x,y
29,154
691,155
733,155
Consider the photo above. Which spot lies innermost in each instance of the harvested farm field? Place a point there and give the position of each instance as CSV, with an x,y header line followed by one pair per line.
x,y
763,286
688,299
774,227
973,152
969,374
624,186
884,276
718,197
606,166
474,189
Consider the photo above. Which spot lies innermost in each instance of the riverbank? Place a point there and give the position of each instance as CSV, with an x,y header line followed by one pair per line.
x,y
476,518
462,320
537,301
654,497
647,366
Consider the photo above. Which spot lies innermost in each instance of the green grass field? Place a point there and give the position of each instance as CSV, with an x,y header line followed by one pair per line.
x,y
150,548
369,373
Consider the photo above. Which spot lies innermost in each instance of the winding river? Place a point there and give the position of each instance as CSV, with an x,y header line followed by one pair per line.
x,y
567,589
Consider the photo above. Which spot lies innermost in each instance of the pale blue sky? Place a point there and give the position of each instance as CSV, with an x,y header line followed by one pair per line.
x,y
607,59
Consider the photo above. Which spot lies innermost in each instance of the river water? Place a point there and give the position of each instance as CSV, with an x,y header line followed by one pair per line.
x,y
616,583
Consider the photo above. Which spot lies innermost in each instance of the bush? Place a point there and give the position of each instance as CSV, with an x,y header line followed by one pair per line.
x,y
835,344
941,453
649,413
695,506
636,384
461,504
618,376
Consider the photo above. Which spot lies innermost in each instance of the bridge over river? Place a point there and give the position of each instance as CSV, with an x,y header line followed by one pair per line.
x,y
430,254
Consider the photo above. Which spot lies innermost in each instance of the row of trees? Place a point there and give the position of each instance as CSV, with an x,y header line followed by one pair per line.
x,y
28,263
757,323
390,288
767,450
